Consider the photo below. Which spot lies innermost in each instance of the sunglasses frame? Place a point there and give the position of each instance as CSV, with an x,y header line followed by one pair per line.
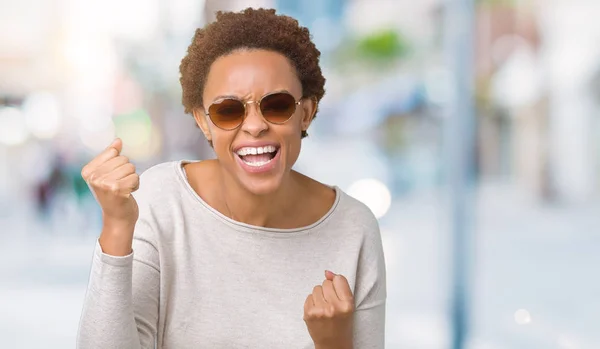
x,y
245,104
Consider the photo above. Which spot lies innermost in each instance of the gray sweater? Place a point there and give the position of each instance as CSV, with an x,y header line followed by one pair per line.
x,y
197,279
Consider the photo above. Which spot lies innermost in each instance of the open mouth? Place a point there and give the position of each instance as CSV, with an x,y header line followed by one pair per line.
x,y
257,156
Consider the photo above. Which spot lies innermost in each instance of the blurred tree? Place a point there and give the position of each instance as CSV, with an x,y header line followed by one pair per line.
x,y
382,46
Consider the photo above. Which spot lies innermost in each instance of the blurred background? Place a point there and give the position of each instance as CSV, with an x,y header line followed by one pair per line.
x,y
75,74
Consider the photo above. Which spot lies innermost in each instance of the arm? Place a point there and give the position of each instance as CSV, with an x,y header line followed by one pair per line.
x,y
370,293
338,320
121,304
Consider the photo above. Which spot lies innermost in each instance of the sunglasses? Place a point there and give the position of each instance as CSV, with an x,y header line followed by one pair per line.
x,y
229,113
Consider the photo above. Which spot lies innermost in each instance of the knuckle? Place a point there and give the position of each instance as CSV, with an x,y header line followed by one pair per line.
x,y
130,167
101,183
113,187
329,311
346,308
317,313
93,179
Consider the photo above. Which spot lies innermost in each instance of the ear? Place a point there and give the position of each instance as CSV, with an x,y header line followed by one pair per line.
x,y
202,122
309,109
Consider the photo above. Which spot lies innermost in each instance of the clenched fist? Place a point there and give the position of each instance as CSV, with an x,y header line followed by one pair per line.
x,y
329,313
112,179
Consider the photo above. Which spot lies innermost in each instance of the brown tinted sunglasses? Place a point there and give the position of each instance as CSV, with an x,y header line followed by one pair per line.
x,y
229,113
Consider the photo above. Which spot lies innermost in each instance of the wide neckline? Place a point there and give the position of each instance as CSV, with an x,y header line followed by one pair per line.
x,y
181,174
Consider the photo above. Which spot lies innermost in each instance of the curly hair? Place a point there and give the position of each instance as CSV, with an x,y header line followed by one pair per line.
x,y
250,29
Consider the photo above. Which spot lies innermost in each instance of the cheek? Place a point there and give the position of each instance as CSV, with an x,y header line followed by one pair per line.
x,y
221,141
294,141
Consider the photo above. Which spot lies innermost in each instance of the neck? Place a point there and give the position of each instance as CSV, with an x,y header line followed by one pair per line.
x,y
260,210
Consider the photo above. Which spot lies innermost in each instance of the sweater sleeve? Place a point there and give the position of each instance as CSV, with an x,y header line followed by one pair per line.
x,y
370,291
121,305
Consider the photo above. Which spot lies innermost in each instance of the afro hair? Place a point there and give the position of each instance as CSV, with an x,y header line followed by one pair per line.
x,y
250,29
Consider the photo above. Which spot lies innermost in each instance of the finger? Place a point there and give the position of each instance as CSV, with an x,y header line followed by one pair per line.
x,y
308,303
131,182
121,171
329,292
318,297
112,151
329,275
342,288
123,187
109,166
117,144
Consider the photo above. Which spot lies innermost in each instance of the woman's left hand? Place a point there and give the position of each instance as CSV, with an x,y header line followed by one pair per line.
x,y
329,313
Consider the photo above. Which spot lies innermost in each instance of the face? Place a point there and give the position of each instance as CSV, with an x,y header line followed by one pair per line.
x,y
248,76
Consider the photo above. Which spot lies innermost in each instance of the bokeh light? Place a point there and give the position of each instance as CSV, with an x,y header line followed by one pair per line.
x,y
42,115
372,193
522,317
97,140
13,130
140,138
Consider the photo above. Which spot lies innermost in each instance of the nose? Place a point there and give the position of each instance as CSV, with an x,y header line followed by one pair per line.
x,y
254,124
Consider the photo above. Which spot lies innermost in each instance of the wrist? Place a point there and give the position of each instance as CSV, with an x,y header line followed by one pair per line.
x,y
116,224
336,345
116,238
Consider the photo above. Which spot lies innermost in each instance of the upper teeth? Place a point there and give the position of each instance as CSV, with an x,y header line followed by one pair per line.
x,y
256,150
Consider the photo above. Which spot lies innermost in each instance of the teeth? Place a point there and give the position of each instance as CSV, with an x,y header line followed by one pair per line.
x,y
256,150
256,164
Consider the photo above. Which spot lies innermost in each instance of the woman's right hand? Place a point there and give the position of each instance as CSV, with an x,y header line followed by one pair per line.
x,y
112,179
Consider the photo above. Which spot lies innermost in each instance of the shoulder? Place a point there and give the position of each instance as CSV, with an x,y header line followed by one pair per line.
x,y
357,213
159,181
354,221
160,172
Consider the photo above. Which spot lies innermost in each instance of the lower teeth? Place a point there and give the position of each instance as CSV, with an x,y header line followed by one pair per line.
x,y
256,164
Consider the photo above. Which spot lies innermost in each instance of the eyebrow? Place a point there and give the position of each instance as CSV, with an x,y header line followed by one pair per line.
x,y
220,97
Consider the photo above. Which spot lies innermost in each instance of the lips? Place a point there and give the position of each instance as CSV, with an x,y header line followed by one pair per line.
x,y
253,162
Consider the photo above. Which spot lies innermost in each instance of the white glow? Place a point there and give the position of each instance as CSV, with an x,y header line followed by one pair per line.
x,y
567,342
96,120
42,115
372,193
97,140
13,130
132,19
518,82
90,58
522,317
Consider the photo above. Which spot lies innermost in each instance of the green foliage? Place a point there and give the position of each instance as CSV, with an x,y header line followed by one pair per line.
x,y
384,45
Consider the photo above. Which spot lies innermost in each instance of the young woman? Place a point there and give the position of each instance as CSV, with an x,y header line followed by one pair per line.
x,y
240,251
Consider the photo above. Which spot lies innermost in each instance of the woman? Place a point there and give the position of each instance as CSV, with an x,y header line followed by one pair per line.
x,y
230,253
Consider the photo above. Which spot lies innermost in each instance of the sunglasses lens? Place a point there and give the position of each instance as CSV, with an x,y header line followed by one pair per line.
x,y
227,114
278,107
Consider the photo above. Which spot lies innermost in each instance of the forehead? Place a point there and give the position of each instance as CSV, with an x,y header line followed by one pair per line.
x,y
251,74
